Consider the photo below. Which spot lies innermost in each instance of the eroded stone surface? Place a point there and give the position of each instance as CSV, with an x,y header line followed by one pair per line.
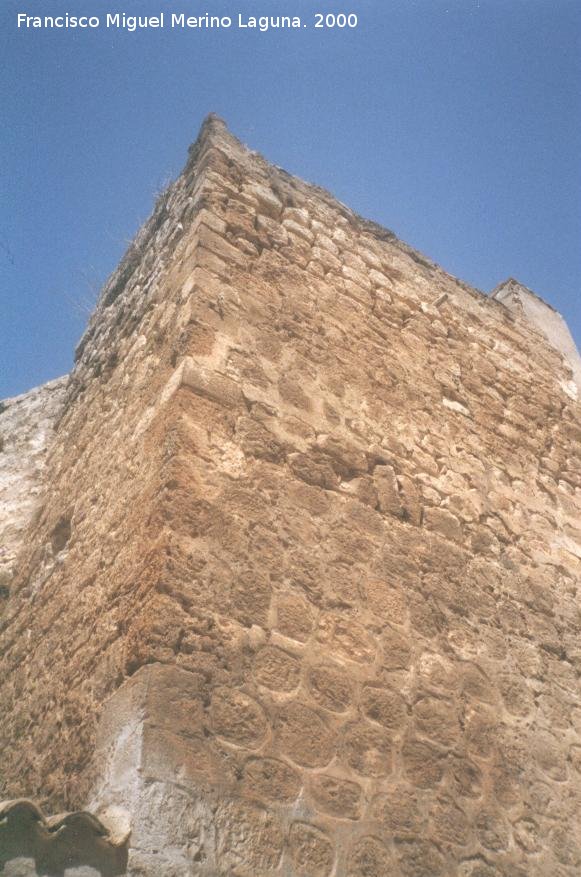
x,y
26,430
317,508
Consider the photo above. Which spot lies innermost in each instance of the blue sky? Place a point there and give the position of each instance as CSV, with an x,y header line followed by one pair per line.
x,y
456,123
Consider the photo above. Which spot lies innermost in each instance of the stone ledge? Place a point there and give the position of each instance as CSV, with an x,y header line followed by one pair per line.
x,y
32,843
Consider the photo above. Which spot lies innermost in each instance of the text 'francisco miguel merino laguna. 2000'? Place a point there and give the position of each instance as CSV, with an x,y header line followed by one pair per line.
x,y
174,20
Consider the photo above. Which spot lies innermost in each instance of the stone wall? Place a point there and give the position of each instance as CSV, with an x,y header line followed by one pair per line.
x,y
317,513
26,428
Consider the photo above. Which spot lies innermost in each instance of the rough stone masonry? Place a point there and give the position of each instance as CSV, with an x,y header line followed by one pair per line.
x,y
299,594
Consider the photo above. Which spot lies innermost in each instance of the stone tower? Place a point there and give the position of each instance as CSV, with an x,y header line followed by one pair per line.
x,y
299,595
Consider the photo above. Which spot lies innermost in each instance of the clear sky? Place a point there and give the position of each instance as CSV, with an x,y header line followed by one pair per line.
x,y
456,123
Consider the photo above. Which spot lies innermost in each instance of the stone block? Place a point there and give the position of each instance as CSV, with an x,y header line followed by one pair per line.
x,y
444,523
210,384
387,488
314,749
311,850
330,687
336,797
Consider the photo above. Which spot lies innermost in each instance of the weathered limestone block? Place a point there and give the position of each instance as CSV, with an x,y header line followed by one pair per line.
x,y
443,522
311,850
388,490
